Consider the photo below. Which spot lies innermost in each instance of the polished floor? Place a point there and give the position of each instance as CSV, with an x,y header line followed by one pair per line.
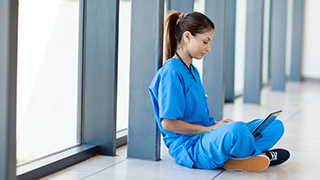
x,y
301,115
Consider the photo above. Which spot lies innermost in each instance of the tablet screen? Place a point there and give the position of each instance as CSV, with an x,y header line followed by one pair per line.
x,y
266,122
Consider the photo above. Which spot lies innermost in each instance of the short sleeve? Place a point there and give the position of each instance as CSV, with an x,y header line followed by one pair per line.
x,y
171,96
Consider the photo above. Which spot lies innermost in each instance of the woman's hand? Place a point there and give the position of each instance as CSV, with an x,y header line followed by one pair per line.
x,y
218,124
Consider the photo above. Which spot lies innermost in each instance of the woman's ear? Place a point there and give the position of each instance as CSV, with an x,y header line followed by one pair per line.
x,y
186,36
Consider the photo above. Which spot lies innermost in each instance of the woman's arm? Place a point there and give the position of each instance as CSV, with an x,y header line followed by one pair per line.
x,y
182,127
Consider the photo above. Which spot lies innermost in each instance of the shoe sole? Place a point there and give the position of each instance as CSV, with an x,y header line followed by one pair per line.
x,y
250,164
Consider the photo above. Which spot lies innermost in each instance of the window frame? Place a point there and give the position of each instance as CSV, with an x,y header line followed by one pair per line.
x,y
95,134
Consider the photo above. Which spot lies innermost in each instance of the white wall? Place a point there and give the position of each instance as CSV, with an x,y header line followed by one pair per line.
x,y
311,40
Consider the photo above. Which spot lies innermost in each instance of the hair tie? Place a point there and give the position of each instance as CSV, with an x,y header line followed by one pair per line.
x,y
178,21
181,16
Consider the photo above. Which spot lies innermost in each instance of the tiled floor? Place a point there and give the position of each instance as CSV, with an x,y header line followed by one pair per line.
x,y
301,115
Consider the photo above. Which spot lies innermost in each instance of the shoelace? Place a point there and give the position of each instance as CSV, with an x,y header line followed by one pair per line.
x,y
274,155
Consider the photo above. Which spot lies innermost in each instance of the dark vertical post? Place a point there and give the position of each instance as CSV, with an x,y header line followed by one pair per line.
x,y
253,62
214,61
183,6
8,81
297,16
100,42
278,44
145,59
230,50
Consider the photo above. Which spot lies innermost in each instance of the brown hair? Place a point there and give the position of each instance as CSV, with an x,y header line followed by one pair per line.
x,y
177,23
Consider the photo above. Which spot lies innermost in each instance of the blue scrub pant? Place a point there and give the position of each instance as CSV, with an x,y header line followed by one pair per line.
x,y
233,139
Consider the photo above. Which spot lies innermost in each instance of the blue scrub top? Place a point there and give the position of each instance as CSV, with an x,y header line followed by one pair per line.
x,y
175,94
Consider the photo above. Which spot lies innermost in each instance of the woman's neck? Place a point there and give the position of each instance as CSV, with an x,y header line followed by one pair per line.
x,y
184,56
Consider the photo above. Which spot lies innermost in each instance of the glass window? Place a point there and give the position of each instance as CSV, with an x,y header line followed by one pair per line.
x,y
123,64
47,82
199,7
240,44
289,37
266,42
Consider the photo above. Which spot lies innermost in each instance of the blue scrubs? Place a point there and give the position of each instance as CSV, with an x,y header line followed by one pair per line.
x,y
175,94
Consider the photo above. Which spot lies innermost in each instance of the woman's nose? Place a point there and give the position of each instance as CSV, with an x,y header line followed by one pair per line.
x,y
208,48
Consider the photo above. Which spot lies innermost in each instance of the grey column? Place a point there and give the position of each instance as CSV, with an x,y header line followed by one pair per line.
x,y
145,59
183,6
230,50
278,44
253,62
100,44
214,61
8,80
297,16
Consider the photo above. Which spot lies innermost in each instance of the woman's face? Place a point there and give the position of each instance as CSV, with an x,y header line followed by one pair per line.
x,y
199,44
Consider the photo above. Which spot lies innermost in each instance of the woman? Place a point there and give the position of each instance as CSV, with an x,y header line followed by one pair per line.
x,y
180,106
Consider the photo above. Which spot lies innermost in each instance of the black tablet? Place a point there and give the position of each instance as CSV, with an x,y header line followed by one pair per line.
x,y
272,116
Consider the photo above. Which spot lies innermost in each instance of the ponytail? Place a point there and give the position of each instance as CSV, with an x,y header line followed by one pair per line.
x,y
171,40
